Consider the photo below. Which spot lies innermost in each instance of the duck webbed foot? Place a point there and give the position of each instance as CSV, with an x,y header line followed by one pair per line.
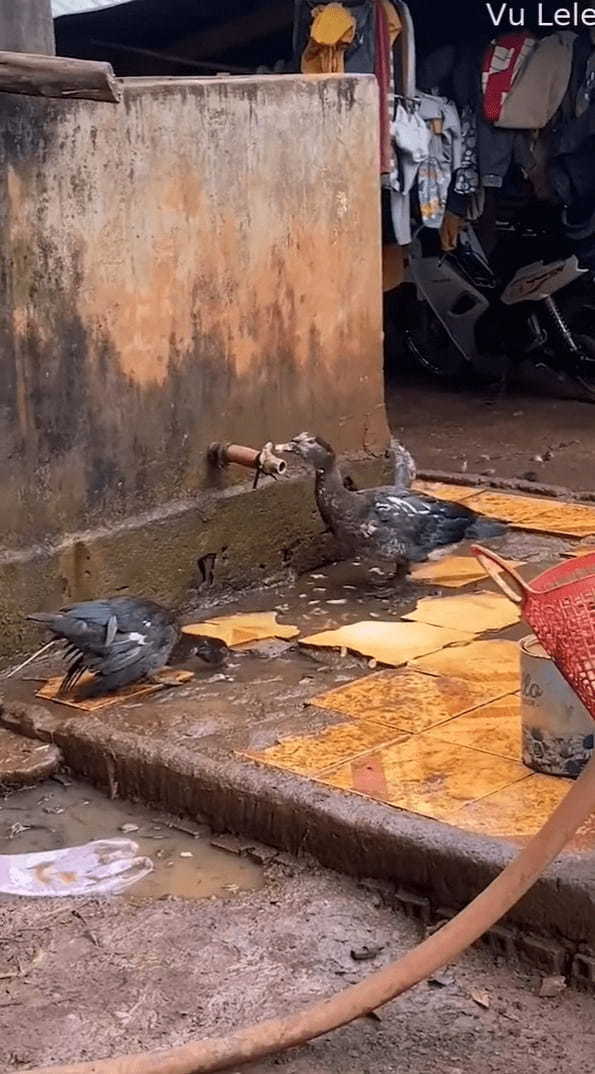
x,y
401,572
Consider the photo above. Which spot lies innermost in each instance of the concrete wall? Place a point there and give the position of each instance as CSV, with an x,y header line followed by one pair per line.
x,y
201,263
27,26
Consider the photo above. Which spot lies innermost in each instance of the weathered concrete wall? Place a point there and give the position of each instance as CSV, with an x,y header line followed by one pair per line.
x,y
27,26
200,263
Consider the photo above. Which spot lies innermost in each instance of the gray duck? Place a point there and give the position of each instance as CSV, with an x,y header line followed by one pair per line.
x,y
120,640
393,522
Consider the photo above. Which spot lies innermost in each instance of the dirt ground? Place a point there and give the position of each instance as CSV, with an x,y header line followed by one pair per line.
x,y
100,977
549,441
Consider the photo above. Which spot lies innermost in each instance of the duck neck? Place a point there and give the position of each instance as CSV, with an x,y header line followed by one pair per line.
x,y
330,490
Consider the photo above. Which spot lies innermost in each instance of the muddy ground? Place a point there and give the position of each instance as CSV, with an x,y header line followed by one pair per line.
x,y
101,977
514,436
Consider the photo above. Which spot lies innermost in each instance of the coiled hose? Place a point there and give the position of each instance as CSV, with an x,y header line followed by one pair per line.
x,y
278,1034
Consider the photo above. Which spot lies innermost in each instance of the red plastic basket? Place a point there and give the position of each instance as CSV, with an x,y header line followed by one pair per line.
x,y
559,606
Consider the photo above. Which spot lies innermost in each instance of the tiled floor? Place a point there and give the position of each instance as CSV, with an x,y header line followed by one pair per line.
x,y
442,736
537,514
313,754
493,728
426,775
485,611
406,699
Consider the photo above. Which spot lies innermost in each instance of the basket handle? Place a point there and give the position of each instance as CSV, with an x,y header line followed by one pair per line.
x,y
505,576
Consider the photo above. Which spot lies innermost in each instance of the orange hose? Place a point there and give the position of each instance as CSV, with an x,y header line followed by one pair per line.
x,y
278,1034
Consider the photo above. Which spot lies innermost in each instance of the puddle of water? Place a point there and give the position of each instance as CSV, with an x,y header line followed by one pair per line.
x,y
55,816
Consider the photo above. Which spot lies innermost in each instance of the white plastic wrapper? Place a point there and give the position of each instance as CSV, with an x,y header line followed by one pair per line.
x,y
103,867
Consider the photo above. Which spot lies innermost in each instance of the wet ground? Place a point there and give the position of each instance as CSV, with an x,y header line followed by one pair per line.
x,y
544,440
98,978
63,813
266,695
216,940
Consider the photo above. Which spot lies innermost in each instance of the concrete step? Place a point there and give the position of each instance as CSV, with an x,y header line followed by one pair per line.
x,y
25,761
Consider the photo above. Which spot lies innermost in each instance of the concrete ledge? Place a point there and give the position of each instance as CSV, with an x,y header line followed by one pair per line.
x,y
24,762
253,534
432,863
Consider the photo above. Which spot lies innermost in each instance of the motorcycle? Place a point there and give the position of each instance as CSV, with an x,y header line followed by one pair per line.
x,y
497,317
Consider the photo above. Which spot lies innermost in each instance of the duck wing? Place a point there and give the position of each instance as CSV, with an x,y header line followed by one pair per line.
x,y
115,639
425,523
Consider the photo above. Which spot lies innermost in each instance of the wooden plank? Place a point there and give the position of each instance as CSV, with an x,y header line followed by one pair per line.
x,y
57,76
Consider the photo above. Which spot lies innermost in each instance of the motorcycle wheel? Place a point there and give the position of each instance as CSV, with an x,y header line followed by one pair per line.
x,y
428,345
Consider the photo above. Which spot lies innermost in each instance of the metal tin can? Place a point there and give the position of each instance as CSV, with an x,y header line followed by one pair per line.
x,y
558,731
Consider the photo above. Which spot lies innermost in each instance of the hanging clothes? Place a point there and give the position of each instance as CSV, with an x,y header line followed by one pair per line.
x,y
539,88
488,151
443,158
408,131
573,140
388,28
331,33
358,57
405,81
502,64
411,139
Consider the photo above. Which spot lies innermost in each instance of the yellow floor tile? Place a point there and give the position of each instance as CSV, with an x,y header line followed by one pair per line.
x,y
76,698
426,776
388,642
507,507
493,728
405,699
242,628
495,663
538,514
312,754
475,612
452,572
442,491
563,519
518,810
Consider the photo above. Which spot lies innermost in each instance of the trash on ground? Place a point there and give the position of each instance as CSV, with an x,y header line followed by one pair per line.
x,y
388,642
475,612
451,572
441,980
481,998
106,866
367,952
242,628
552,986
82,815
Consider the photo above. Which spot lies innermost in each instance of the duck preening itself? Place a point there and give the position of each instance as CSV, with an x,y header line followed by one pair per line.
x,y
119,640
390,523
